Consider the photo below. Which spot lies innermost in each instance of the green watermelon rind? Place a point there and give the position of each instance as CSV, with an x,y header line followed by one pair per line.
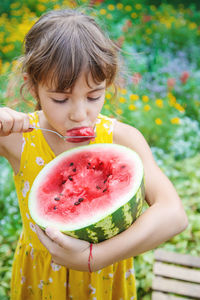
x,y
110,223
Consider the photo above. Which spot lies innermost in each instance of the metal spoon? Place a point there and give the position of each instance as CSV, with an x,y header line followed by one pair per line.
x,y
62,136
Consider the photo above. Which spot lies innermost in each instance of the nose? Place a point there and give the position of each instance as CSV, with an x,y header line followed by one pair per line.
x,y
78,112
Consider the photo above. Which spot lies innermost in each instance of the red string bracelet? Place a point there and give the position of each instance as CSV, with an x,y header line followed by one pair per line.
x,y
89,258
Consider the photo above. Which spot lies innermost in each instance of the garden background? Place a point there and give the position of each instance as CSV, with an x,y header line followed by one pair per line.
x,y
159,93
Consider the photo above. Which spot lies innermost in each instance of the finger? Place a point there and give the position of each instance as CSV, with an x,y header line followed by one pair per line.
x,y
26,125
6,122
44,239
59,238
21,121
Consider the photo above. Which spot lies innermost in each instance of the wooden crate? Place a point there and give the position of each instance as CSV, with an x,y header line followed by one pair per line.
x,y
177,274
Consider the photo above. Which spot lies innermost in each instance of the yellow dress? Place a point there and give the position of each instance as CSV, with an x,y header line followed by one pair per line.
x,y
35,276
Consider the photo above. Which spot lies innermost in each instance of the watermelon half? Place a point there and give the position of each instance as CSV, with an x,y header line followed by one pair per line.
x,y
91,192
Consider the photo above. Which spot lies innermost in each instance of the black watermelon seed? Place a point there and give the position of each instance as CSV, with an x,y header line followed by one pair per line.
x,y
70,178
105,181
57,198
74,170
104,190
80,199
98,187
54,207
77,203
63,182
122,167
61,194
89,164
71,164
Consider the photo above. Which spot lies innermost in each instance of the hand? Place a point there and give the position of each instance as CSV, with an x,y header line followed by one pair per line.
x,y
13,121
65,250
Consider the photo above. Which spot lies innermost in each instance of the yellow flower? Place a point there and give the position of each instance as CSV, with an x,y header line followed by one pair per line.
x,y
119,111
41,7
132,107
159,103
192,25
120,5
7,48
134,15
138,6
102,11
14,5
145,98
179,107
15,64
147,107
1,37
106,106
175,120
108,96
111,7
148,31
122,100
123,91
168,25
153,7
134,97
172,99
158,121
56,6
128,8
16,13
109,16
5,67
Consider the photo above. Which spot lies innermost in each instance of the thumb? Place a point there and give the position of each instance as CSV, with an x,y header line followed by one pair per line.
x,y
58,237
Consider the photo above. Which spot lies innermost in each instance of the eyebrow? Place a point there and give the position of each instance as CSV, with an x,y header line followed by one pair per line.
x,y
65,92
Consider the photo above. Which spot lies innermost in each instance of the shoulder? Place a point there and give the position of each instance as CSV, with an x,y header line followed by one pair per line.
x,y
131,137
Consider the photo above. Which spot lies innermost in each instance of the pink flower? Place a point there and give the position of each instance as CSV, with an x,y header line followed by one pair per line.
x,y
184,76
171,83
136,78
146,18
129,23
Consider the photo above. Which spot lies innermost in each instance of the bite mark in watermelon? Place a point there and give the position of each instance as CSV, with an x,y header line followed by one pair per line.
x,y
91,192
86,132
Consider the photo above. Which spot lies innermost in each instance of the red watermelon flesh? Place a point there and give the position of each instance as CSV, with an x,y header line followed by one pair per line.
x,y
87,132
83,182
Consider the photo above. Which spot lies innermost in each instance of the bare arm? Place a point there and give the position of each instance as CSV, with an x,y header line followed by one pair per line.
x,y
162,220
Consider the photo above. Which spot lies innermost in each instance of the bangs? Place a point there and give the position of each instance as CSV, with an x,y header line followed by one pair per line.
x,y
71,50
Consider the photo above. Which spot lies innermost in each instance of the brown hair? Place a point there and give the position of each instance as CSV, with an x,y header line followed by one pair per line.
x,y
62,44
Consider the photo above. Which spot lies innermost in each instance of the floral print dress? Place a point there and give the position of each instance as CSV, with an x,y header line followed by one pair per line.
x,y
35,276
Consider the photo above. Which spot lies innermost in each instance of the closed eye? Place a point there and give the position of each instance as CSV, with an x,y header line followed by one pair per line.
x,y
93,99
59,101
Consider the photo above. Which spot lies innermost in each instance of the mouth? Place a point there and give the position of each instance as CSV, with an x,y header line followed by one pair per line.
x,y
86,134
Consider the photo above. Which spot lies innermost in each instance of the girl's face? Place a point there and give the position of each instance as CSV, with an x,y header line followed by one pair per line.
x,y
65,110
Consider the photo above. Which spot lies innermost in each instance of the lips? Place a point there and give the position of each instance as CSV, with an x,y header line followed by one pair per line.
x,y
84,131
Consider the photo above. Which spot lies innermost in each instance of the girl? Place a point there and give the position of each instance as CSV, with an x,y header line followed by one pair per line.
x,y
67,66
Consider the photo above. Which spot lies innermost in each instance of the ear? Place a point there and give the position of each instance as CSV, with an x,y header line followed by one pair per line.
x,y
31,88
